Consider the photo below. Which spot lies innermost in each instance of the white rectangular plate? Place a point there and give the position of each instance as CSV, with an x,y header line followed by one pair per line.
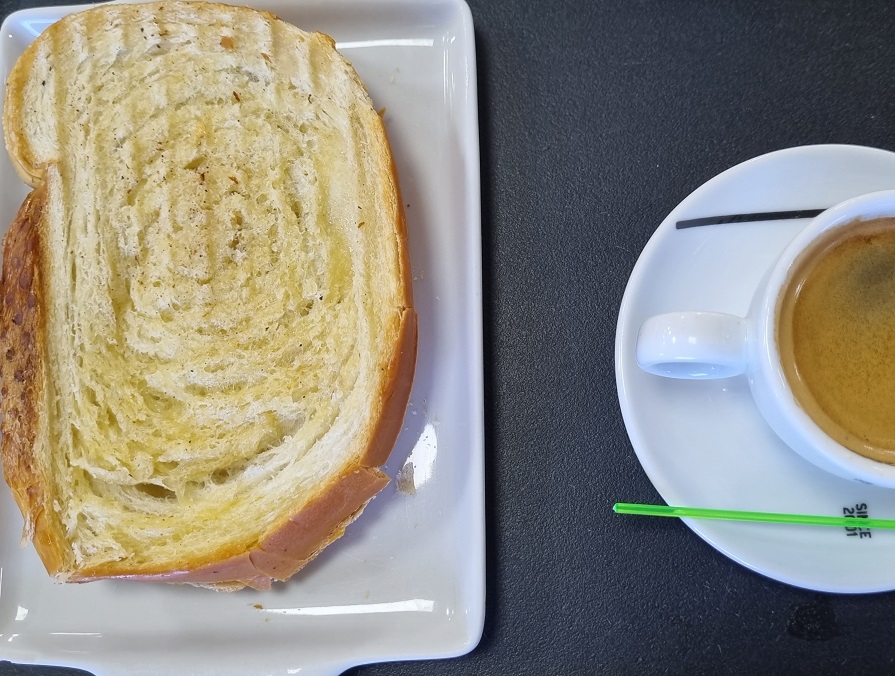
x,y
407,579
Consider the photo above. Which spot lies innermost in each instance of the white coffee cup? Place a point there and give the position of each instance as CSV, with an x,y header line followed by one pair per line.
x,y
708,345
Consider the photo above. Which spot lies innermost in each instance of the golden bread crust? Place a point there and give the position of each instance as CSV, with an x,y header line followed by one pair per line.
x,y
22,345
13,119
293,546
314,516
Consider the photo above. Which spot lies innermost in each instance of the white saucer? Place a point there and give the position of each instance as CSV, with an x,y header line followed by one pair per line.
x,y
705,444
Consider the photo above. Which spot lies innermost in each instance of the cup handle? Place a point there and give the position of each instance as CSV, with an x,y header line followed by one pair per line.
x,y
693,345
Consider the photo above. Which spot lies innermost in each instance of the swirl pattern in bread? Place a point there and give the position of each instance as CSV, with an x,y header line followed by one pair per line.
x,y
207,313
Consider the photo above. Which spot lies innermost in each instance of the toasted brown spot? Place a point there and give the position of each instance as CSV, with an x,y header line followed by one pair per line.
x,y
21,382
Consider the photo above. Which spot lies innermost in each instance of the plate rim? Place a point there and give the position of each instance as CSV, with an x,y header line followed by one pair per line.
x,y
468,151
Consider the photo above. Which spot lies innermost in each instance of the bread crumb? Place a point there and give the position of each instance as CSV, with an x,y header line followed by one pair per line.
x,y
404,480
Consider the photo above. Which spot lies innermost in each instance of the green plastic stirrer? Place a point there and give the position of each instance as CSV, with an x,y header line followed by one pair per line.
x,y
765,517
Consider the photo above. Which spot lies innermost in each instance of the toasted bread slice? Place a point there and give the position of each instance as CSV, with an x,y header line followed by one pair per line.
x,y
207,321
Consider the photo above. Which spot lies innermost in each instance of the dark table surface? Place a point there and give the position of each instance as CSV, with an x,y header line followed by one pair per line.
x,y
596,119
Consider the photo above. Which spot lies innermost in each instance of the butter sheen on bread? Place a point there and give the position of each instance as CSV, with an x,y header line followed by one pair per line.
x,y
207,321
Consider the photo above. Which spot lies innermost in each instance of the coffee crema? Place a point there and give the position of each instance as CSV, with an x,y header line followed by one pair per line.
x,y
836,335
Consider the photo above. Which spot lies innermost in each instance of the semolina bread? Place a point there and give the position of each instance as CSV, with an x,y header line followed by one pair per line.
x,y
208,331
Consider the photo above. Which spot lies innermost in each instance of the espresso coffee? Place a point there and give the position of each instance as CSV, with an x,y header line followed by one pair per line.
x,y
836,335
